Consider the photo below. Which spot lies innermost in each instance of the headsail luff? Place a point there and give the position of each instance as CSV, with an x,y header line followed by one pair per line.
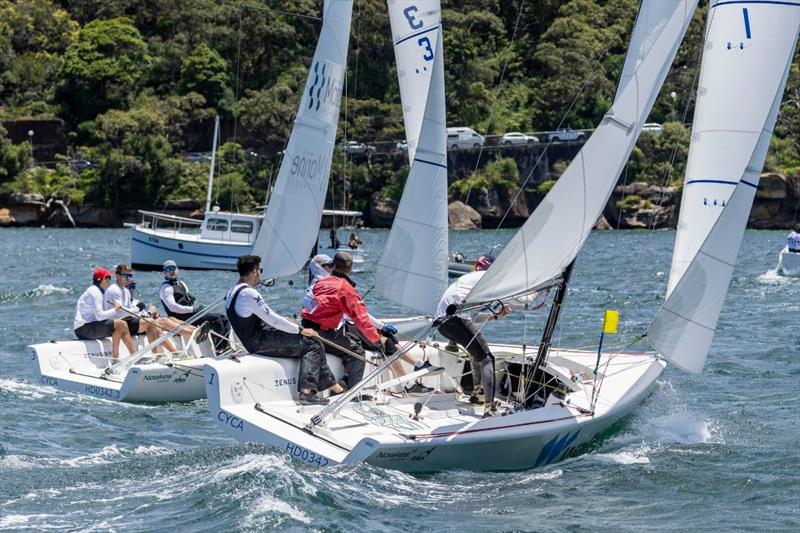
x,y
554,234
647,28
746,61
413,268
415,25
291,222
741,87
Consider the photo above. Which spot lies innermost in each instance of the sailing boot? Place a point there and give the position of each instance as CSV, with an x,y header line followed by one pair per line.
x,y
477,398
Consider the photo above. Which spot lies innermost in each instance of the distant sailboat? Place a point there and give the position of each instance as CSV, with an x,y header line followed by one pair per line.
x,y
445,431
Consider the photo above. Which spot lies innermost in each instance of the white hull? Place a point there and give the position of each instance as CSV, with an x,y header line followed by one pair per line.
x,y
252,400
357,255
79,366
789,263
150,248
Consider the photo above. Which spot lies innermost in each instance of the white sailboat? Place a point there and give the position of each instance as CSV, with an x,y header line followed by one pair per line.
x,y
250,402
789,263
285,240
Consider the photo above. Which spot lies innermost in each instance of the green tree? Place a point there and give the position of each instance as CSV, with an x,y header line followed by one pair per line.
x,y
205,72
103,68
14,158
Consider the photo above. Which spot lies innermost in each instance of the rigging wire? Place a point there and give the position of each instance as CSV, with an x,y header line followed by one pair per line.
x,y
496,93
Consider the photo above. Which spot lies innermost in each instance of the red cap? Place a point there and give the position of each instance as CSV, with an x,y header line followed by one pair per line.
x,y
100,274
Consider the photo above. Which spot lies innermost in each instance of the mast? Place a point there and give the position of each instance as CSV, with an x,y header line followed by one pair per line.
x,y
213,160
535,374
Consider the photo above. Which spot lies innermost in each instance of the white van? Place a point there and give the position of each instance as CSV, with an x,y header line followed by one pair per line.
x,y
458,138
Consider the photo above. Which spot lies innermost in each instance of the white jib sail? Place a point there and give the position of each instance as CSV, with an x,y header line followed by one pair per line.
x,y
748,53
649,22
414,33
749,46
553,235
413,268
292,218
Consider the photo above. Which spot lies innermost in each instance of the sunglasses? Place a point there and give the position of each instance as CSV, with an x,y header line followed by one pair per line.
x,y
260,270
127,276
170,269
131,286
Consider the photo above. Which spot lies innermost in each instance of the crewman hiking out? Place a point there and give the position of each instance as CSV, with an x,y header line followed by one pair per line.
x,y
92,322
264,332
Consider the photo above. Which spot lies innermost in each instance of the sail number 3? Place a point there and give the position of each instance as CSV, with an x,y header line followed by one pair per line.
x,y
415,25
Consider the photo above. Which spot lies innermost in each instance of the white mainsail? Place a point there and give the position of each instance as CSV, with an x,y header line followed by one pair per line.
x,y
415,25
748,54
413,268
555,232
292,218
746,61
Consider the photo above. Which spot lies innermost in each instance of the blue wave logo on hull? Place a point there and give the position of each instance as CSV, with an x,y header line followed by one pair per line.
x,y
554,449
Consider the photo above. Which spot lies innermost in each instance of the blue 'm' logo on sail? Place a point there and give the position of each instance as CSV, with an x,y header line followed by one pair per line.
x,y
319,83
553,449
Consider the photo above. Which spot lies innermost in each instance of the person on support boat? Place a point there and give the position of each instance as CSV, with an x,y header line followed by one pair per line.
x,y
179,303
264,332
320,266
92,322
333,297
118,293
463,329
793,240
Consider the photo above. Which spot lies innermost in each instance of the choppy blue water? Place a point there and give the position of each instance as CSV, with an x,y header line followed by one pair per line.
x,y
717,451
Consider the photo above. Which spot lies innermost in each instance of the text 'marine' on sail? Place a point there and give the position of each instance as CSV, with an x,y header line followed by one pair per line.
x,y
291,222
553,235
748,52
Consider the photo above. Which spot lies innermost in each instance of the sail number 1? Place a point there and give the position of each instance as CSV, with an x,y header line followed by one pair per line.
x,y
415,25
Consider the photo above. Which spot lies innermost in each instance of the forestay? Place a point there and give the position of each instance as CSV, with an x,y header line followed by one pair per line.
x,y
553,235
746,61
413,268
415,25
292,218
748,54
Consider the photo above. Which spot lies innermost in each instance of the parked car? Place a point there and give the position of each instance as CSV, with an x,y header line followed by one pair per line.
x,y
197,157
652,128
567,134
81,164
463,138
355,147
401,146
515,137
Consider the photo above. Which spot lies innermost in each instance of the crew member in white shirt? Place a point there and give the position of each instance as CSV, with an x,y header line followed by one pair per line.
x,y
92,322
793,240
462,329
118,293
263,331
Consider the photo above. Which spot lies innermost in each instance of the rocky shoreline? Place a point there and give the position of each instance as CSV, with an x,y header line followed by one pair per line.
x,y
637,205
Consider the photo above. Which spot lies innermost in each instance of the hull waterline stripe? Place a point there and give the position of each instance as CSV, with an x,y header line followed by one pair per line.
x,y
431,163
723,182
773,2
479,430
188,253
404,39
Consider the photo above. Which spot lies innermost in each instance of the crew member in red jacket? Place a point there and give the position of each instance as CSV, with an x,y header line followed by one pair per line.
x,y
334,296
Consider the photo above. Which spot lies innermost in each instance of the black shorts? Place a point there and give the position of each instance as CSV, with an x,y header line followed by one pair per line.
x,y
133,324
95,330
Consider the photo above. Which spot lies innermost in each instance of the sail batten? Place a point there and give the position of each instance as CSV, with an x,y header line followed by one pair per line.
x,y
563,220
291,221
726,155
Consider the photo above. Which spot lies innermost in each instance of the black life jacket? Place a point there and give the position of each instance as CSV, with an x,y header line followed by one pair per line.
x,y
254,333
181,292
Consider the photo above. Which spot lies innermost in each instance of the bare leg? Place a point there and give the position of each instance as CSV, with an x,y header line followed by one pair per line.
x,y
122,327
